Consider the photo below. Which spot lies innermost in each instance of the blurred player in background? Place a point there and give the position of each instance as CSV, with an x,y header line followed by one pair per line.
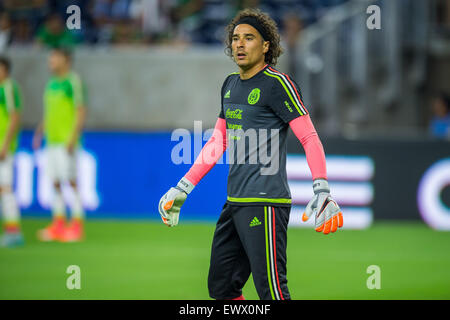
x,y
440,122
10,105
251,233
64,116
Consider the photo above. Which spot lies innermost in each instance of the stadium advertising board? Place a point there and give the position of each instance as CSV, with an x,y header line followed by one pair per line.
x,y
123,175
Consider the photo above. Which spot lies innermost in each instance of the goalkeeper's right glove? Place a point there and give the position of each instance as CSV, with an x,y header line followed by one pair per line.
x,y
170,203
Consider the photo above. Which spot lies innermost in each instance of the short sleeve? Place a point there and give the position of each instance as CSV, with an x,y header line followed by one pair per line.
x,y
12,96
286,98
222,94
17,97
221,114
77,90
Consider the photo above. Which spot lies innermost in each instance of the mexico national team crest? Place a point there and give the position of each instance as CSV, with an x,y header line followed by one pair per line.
x,y
253,97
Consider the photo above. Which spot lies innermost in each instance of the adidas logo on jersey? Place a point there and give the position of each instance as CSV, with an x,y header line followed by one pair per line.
x,y
227,95
255,222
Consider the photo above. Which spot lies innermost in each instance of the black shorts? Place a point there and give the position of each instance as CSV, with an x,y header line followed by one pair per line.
x,y
249,239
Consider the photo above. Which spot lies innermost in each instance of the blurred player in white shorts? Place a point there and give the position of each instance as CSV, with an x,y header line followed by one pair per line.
x,y
61,165
10,106
64,114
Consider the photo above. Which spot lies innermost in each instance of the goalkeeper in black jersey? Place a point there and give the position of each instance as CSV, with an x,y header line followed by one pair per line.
x,y
259,103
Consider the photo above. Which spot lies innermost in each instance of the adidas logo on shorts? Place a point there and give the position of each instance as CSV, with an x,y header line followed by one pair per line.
x,y
255,222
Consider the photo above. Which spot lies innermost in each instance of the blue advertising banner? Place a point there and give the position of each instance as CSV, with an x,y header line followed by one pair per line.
x,y
123,175
119,175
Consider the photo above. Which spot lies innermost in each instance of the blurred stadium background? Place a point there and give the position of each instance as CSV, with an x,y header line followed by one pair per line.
x,y
378,98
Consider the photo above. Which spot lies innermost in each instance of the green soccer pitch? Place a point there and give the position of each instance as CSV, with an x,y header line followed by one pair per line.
x,y
124,259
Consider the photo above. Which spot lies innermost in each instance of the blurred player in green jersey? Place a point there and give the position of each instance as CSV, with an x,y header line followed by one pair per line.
x,y
10,105
64,115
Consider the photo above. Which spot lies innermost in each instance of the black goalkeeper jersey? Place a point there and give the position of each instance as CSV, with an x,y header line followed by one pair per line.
x,y
257,112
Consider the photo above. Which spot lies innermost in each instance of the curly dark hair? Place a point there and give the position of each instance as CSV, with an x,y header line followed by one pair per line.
x,y
270,27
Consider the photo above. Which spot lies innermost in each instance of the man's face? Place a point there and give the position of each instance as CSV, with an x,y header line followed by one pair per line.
x,y
248,46
56,62
439,108
55,26
3,72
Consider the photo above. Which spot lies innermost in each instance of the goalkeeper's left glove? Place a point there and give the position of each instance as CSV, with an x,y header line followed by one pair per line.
x,y
327,212
170,204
